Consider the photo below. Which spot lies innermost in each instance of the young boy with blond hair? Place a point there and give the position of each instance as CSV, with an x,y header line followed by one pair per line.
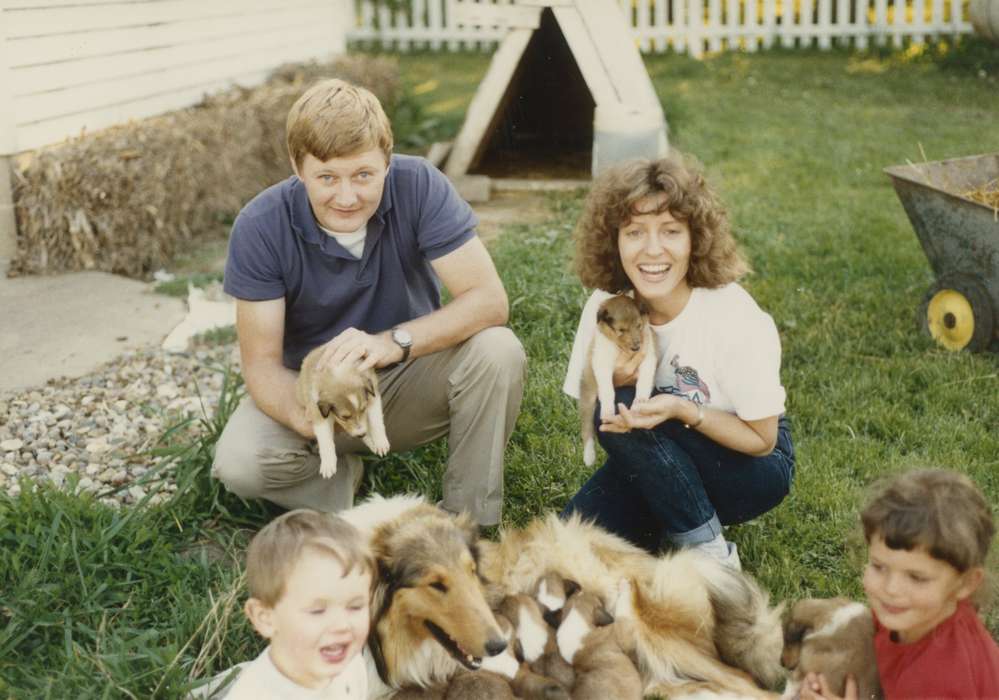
x,y
310,577
349,254
928,534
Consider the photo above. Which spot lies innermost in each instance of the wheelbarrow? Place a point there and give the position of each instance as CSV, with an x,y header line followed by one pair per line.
x,y
960,237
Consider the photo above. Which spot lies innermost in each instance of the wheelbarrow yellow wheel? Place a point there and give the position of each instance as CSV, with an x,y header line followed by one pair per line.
x,y
958,314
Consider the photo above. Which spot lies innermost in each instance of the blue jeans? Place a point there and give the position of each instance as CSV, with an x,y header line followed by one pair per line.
x,y
671,485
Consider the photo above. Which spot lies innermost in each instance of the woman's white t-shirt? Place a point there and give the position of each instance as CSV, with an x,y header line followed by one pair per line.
x,y
721,351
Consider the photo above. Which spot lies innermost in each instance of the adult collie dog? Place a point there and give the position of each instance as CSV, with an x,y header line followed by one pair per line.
x,y
699,625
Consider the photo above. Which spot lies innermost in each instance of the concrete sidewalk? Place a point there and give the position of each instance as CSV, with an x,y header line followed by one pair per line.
x,y
70,324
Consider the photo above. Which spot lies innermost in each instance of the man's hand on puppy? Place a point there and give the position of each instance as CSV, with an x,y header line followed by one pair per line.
x,y
366,350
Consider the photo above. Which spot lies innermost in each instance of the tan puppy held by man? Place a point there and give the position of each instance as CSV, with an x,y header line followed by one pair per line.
x,y
594,642
834,637
351,398
622,329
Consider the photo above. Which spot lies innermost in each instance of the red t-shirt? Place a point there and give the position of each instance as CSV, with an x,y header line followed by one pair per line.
x,y
958,659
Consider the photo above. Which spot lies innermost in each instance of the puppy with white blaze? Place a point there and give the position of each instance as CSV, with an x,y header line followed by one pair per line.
x,y
623,329
346,397
834,637
598,645
698,623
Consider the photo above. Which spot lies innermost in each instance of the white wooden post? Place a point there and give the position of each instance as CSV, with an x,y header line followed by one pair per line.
x,y
752,21
661,23
881,21
641,25
695,36
938,18
680,28
769,22
842,24
8,147
825,24
714,25
732,24
807,22
860,20
919,21
787,23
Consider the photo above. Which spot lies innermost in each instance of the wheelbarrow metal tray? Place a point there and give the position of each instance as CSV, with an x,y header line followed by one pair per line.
x,y
957,234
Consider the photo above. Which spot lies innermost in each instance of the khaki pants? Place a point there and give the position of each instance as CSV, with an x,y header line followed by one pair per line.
x,y
471,393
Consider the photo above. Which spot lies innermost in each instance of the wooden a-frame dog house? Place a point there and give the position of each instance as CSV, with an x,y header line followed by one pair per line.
x,y
566,94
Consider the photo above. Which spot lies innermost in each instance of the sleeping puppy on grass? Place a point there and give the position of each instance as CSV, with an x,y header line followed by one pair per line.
x,y
344,396
622,329
834,637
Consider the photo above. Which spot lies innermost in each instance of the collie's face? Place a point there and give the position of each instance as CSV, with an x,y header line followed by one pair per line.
x,y
434,592
620,319
910,591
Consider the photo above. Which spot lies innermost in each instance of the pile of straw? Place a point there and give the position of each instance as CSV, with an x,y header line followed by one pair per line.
x,y
987,194
126,199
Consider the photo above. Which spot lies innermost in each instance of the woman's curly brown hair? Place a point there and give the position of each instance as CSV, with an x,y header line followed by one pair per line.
x,y
715,259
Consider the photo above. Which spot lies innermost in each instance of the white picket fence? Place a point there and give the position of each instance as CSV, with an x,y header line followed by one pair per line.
x,y
687,26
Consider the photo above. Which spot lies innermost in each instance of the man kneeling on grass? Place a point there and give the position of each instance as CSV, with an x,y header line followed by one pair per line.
x,y
348,253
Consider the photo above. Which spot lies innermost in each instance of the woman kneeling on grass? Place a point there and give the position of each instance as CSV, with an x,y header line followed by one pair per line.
x,y
712,447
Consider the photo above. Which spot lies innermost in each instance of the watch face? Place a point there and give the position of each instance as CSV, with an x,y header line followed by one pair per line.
x,y
402,337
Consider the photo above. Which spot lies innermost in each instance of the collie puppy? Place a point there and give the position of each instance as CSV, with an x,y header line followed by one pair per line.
x,y
834,637
430,617
622,329
346,397
594,643
535,640
696,621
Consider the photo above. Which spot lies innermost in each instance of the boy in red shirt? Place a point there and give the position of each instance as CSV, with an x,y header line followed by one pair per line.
x,y
928,534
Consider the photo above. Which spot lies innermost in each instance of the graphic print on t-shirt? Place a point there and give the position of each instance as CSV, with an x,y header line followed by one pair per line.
x,y
687,383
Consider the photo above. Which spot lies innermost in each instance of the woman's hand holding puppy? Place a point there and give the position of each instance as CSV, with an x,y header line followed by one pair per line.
x,y
649,414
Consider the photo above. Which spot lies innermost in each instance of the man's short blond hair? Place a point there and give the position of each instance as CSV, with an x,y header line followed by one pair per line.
x,y
276,549
334,119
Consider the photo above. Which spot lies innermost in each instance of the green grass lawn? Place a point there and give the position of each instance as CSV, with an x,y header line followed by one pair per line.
x,y
102,603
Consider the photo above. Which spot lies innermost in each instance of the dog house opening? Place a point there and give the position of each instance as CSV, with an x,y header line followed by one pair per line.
x,y
543,127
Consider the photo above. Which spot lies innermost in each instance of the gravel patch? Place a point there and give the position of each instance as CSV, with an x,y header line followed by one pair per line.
x,y
101,427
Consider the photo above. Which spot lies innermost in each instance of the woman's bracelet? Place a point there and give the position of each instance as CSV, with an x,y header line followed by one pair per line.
x,y
700,418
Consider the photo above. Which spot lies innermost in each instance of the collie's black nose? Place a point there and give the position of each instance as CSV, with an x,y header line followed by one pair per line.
x,y
495,646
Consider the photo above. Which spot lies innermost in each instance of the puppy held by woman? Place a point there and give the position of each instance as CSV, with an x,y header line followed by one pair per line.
x,y
712,446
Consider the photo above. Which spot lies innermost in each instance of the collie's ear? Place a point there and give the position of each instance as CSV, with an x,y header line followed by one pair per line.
x,y
324,408
603,315
643,308
571,587
369,387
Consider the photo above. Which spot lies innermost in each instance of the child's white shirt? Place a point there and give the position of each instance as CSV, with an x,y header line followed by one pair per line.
x,y
721,351
261,680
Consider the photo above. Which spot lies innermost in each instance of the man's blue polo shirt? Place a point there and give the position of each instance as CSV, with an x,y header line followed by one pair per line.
x,y
276,249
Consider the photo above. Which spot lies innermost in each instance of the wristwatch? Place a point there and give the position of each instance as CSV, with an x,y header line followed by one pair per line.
x,y
402,338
